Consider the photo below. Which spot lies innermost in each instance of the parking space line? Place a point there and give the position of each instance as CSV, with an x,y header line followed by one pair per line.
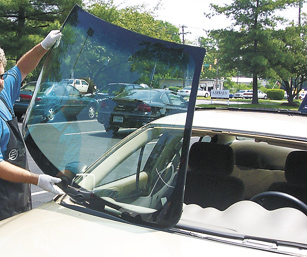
x,y
39,193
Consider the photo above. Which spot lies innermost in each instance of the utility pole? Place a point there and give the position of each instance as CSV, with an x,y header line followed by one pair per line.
x,y
184,70
183,33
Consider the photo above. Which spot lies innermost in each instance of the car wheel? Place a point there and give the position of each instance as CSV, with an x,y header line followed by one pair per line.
x,y
50,114
113,129
274,200
91,112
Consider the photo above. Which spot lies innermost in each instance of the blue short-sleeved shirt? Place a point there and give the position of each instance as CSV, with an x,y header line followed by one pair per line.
x,y
9,93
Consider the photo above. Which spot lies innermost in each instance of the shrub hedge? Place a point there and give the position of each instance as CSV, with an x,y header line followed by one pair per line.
x,y
276,94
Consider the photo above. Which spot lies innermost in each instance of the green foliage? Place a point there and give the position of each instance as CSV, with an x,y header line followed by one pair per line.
x,y
174,88
289,58
246,44
25,23
275,94
263,89
231,86
135,18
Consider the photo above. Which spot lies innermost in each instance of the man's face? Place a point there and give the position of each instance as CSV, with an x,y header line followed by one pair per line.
x,y
1,78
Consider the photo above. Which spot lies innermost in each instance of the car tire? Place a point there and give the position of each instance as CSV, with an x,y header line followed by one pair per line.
x,y
112,129
91,112
50,114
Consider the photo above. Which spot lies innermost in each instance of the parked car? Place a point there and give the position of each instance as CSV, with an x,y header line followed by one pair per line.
x,y
303,105
53,97
302,94
186,91
136,107
80,84
113,89
249,94
22,103
240,93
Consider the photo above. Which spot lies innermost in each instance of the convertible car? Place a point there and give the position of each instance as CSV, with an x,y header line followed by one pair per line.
x,y
215,182
244,184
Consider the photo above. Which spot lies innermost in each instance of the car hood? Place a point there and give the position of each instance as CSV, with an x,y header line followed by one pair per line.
x,y
53,230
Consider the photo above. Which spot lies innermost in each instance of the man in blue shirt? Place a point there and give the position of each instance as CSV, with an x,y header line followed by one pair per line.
x,y
15,179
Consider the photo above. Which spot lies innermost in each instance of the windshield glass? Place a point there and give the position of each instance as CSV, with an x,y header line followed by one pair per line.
x,y
69,126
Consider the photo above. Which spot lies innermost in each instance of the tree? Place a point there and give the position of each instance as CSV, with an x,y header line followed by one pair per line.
x,y
289,58
25,23
211,67
136,18
244,44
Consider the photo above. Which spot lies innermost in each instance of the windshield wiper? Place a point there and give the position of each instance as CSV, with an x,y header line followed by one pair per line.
x,y
88,199
272,245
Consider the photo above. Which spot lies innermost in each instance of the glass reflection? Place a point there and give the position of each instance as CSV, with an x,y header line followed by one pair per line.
x,y
99,84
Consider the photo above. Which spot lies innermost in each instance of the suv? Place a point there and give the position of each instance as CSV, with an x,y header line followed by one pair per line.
x,y
79,84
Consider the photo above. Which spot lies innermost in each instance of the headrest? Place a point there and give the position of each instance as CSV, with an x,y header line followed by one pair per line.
x,y
296,167
209,158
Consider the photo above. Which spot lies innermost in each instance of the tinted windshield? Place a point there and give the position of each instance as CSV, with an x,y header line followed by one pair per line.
x,y
67,134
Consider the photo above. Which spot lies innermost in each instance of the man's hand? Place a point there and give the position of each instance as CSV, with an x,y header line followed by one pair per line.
x,y
47,183
51,39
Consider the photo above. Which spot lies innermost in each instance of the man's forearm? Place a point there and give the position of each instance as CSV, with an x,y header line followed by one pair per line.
x,y
30,60
16,174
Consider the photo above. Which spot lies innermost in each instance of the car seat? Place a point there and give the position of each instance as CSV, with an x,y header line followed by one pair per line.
x,y
296,176
208,181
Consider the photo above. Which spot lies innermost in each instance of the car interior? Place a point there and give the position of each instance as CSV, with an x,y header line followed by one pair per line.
x,y
241,169
243,184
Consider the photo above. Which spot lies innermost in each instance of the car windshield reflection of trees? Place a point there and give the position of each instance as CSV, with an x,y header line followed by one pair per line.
x,y
108,56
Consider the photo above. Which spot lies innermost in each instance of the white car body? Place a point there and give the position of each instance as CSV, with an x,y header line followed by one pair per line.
x,y
249,94
240,93
79,84
186,91
64,232
302,94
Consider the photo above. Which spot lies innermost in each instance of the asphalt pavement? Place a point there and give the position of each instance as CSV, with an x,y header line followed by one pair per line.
x,y
39,196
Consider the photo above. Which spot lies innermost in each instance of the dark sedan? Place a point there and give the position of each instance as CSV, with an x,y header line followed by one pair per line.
x,y
134,108
22,103
55,97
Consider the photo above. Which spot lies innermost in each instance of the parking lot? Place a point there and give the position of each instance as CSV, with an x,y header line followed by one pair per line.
x,y
91,132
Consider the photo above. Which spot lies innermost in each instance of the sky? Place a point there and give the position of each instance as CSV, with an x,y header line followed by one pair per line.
x,y
190,13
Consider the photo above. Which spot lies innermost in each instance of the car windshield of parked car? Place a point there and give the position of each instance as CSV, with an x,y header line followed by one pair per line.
x,y
68,131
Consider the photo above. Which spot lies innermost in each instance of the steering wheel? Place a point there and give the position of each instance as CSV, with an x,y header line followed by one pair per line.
x,y
296,203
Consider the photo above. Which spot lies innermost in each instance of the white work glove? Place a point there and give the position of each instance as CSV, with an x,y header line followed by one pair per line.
x,y
47,183
51,39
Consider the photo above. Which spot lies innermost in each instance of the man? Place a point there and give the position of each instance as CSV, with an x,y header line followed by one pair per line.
x,y
15,179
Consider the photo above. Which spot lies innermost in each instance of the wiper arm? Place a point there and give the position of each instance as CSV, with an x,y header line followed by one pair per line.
x,y
273,245
88,199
